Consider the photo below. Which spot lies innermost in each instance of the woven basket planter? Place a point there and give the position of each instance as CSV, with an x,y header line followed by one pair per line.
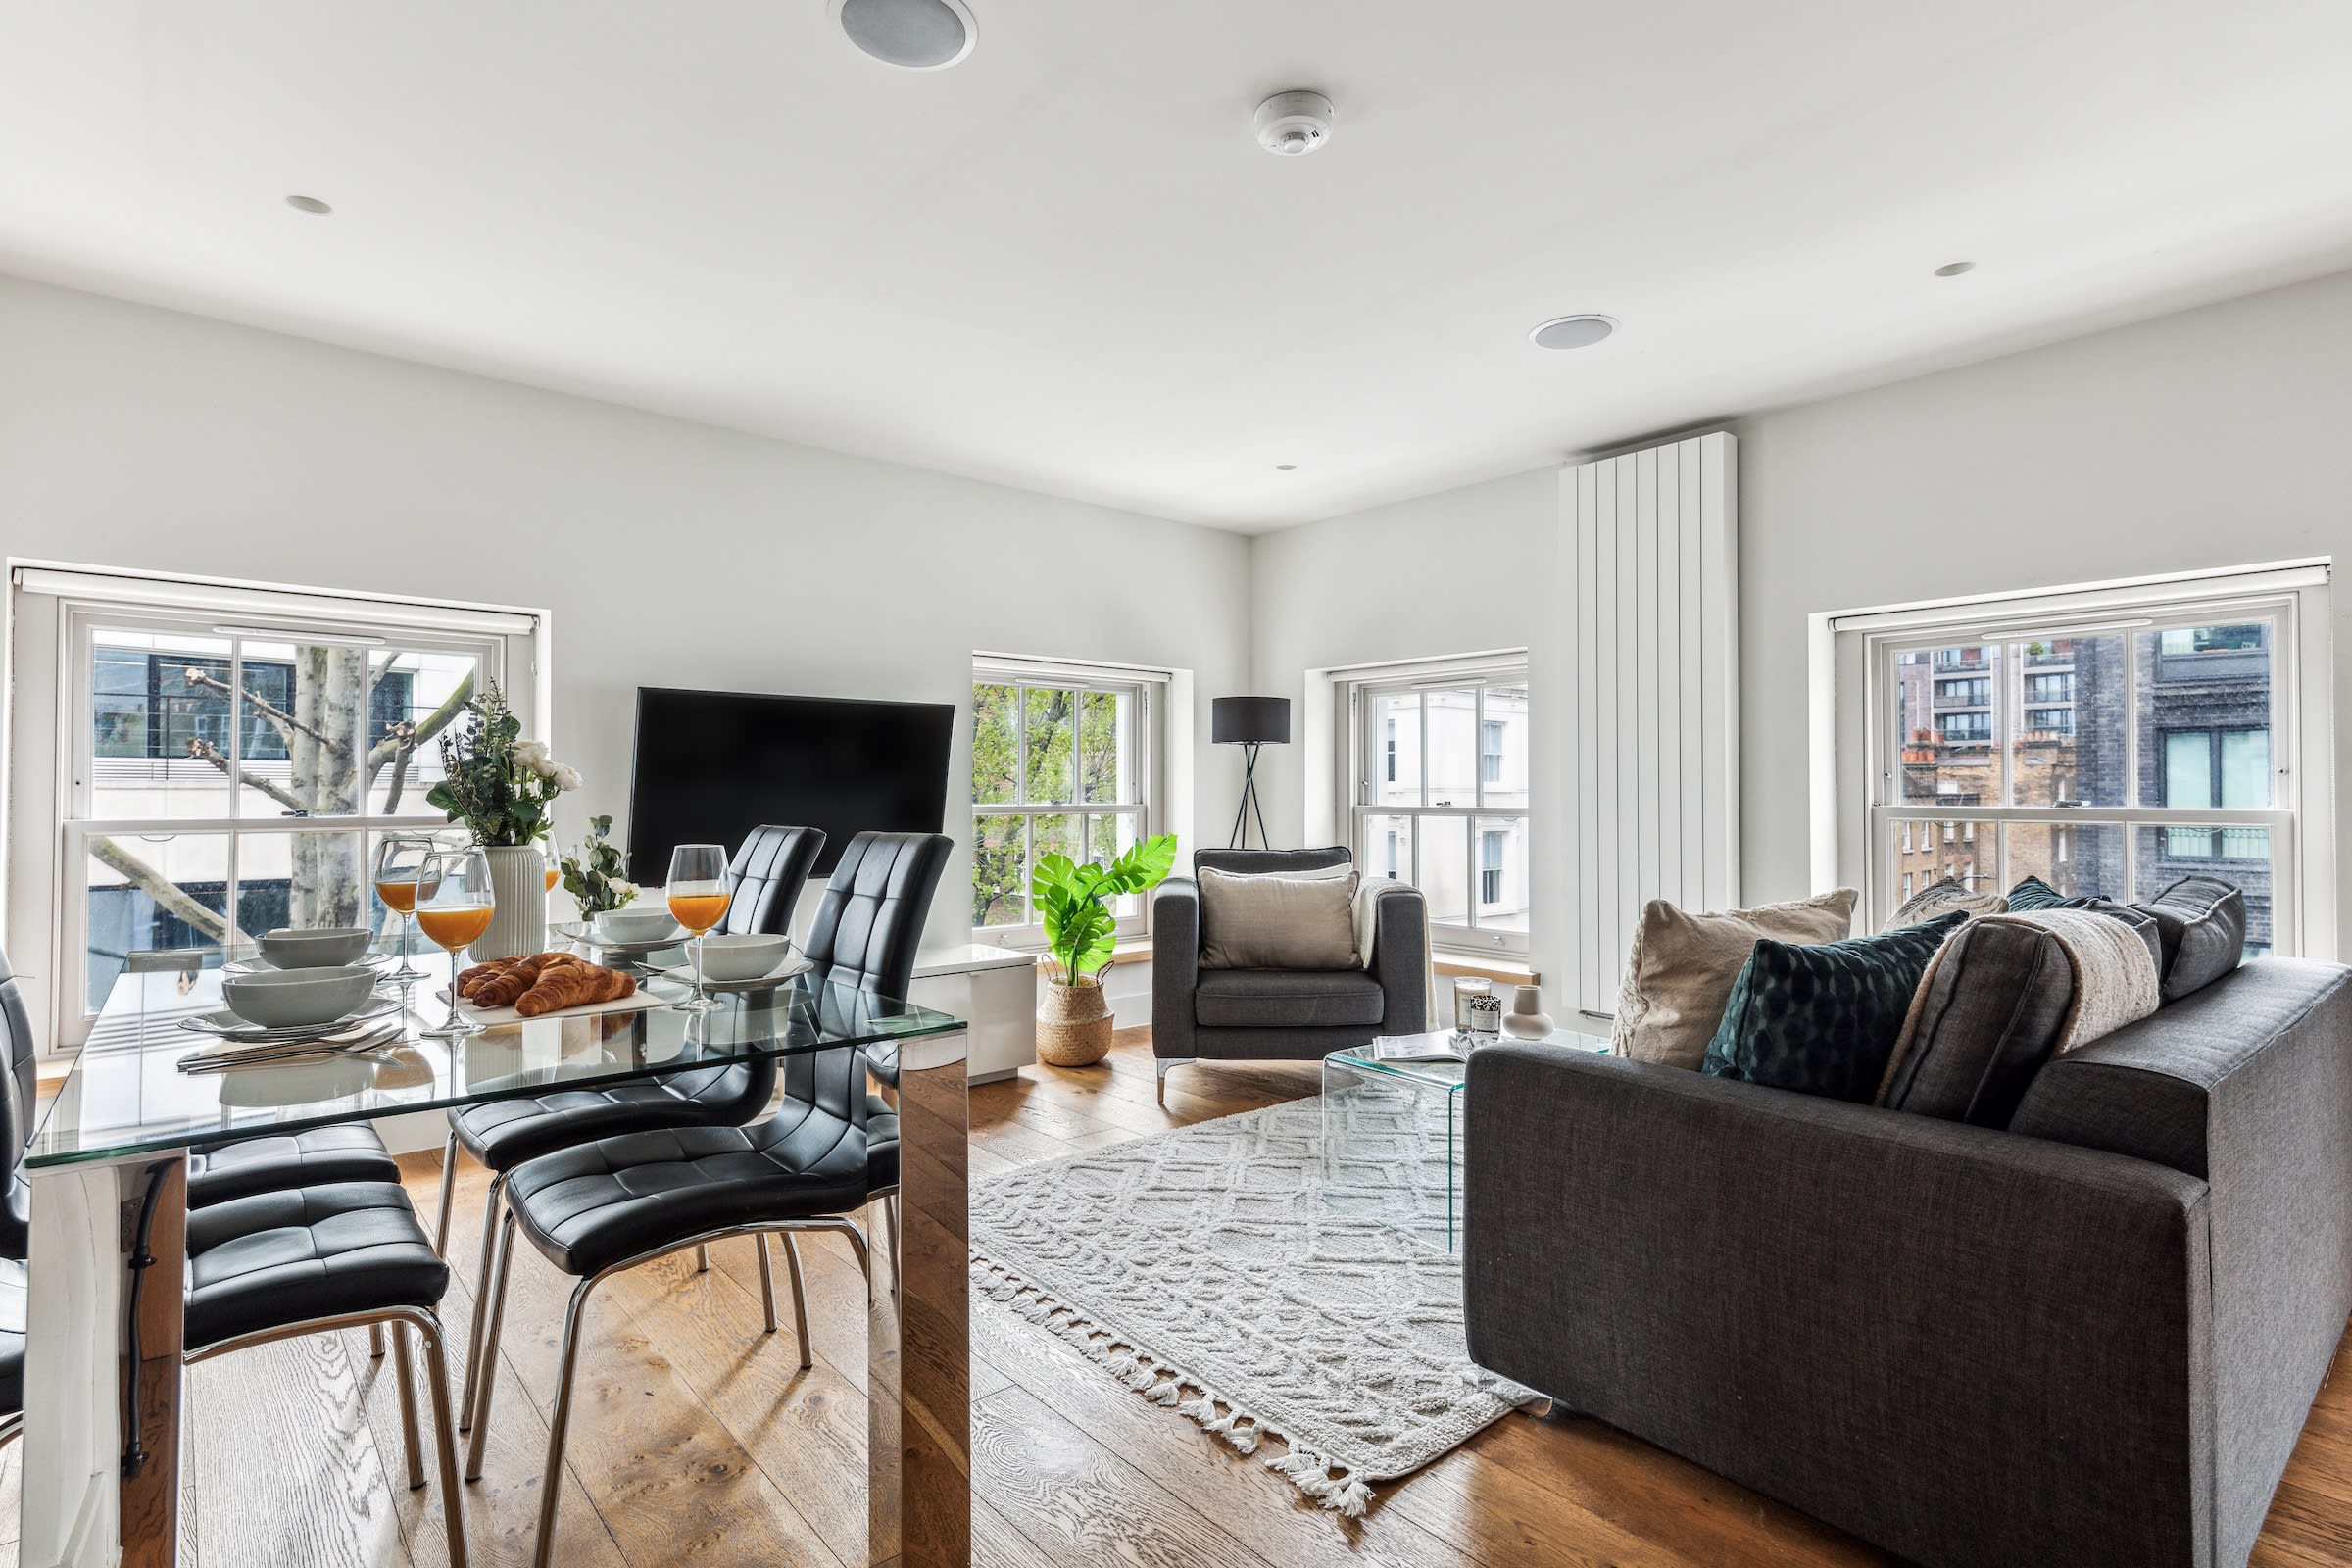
x,y
1073,1025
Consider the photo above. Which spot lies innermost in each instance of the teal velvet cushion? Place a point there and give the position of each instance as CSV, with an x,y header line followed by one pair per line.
x,y
2036,894
1823,1019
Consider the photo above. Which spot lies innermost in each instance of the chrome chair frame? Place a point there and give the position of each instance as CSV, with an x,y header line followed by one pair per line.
x,y
427,1325
559,1423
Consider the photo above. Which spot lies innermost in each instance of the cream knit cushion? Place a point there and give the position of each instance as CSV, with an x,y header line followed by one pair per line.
x,y
1679,977
1262,921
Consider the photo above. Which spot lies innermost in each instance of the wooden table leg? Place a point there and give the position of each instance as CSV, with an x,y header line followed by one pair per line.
x,y
920,1341
82,1508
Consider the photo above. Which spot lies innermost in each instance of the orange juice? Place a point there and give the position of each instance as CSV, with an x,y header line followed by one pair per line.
x,y
553,877
452,927
398,895
699,911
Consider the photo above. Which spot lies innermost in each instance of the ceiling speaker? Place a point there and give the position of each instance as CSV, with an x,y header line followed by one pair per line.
x,y
911,34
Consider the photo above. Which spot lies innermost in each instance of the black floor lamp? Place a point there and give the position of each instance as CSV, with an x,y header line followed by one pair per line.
x,y
1249,723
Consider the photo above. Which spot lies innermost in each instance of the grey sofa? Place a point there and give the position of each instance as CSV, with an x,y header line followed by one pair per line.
x,y
2091,1338
1282,1014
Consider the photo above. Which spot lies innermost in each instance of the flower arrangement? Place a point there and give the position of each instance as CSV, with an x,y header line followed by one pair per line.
x,y
500,785
592,874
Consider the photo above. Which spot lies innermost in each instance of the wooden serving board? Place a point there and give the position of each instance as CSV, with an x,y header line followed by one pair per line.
x,y
637,1000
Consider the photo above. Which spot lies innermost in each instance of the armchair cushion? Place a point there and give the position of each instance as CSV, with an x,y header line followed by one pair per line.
x,y
1303,920
1286,998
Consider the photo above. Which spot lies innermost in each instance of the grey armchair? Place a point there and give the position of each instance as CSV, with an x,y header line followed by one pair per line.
x,y
1280,1014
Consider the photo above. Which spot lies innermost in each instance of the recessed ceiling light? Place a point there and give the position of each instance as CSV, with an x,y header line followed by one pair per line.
x,y
1286,468
1955,269
308,204
1572,331
911,34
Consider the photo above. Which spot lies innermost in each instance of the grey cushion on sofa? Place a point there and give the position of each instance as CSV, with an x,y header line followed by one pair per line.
x,y
1286,998
2202,921
1986,1020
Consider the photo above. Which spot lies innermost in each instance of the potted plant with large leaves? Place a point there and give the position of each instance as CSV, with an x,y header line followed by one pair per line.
x,y
1073,903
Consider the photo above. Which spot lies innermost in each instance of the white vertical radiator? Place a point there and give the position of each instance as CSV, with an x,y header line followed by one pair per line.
x,y
1652,758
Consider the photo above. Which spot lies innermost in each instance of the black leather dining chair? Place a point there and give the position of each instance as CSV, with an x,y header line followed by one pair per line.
x,y
19,1096
766,879
602,1209
279,1265
505,1133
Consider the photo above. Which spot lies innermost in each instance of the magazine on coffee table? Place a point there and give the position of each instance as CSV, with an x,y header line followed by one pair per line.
x,y
1438,1045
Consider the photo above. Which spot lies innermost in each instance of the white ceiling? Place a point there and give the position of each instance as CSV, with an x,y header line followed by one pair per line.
x,y
1066,264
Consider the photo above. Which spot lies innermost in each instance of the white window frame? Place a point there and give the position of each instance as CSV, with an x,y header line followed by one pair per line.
x,y
1365,755
1856,733
1145,688
56,720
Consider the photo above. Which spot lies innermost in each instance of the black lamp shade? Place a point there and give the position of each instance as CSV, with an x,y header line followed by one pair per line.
x,y
1240,720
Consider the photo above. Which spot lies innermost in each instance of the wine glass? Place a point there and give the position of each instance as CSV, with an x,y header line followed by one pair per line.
x,y
399,857
699,895
454,907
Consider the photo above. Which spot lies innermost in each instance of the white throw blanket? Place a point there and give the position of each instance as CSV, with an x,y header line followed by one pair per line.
x,y
1367,930
2114,974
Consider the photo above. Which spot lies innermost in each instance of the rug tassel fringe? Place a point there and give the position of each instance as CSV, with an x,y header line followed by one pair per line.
x,y
1346,1494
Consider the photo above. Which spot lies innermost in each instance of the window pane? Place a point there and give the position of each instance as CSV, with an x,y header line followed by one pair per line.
x,y
2238,855
1110,837
1925,852
301,881
159,725
1050,744
1453,720
1443,867
1504,755
2075,857
298,722
2214,681
1056,835
2189,770
1395,760
2069,745
1107,752
996,713
1000,875
150,891
1501,873
1946,701
412,698
1384,847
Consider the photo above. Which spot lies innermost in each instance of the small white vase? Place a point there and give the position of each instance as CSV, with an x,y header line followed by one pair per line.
x,y
1526,1019
518,881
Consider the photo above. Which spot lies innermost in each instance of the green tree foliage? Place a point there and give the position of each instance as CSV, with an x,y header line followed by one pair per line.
x,y
1066,752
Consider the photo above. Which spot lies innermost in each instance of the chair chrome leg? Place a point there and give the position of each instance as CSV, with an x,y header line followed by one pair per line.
x,y
485,1350
767,1284
481,1300
375,1342
449,1194
401,1379
702,1260
799,1297
445,1440
558,1424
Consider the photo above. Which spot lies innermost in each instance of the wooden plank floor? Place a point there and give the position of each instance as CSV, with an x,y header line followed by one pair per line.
x,y
698,1441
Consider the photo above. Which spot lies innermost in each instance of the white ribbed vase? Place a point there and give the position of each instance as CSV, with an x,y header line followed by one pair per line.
x,y
518,881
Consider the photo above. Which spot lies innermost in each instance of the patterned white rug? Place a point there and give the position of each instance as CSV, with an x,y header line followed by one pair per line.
x,y
1205,1269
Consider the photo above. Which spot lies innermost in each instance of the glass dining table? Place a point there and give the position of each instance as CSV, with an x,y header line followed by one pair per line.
x,y
107,1161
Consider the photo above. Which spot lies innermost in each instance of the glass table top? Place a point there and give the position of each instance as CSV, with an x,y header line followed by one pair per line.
x,y
1450,1075
125,1094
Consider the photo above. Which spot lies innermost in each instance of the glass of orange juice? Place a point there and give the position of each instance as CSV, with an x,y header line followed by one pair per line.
x,y
699,894
454,907
399,857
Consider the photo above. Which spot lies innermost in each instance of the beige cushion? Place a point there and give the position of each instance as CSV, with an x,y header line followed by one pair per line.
x,y
1942,898
1305,921
1679,976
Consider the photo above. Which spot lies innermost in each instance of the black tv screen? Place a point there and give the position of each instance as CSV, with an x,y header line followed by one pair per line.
x,y
712,765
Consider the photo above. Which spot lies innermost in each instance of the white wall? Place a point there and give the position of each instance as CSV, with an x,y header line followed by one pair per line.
x,y
2216,437
671,554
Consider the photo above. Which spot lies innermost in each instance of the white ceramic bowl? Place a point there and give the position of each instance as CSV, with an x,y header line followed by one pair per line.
x,y
326,948
743,958
296,998
635,925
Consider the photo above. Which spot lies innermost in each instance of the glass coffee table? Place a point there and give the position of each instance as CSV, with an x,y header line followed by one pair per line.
x,y
1392,1138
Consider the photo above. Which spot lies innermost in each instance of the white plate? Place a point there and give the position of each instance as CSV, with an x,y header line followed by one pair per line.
x,y
577,932
683,974
226,1025
378,961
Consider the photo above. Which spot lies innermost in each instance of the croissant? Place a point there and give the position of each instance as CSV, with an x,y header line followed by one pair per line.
x,y
480,972
571,985
509,983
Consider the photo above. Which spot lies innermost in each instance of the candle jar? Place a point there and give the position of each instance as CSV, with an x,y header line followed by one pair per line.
x,y
1466,989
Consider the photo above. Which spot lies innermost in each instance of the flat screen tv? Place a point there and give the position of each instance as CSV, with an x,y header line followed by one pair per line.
x,y
712,765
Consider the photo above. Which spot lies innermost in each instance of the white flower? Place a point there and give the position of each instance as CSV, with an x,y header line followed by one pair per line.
x,y
627,890
565,778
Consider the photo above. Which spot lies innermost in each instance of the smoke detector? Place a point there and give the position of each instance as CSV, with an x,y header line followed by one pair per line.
x,y
1292,124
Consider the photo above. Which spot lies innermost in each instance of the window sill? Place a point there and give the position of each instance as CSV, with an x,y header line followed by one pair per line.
x,y
1501,968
